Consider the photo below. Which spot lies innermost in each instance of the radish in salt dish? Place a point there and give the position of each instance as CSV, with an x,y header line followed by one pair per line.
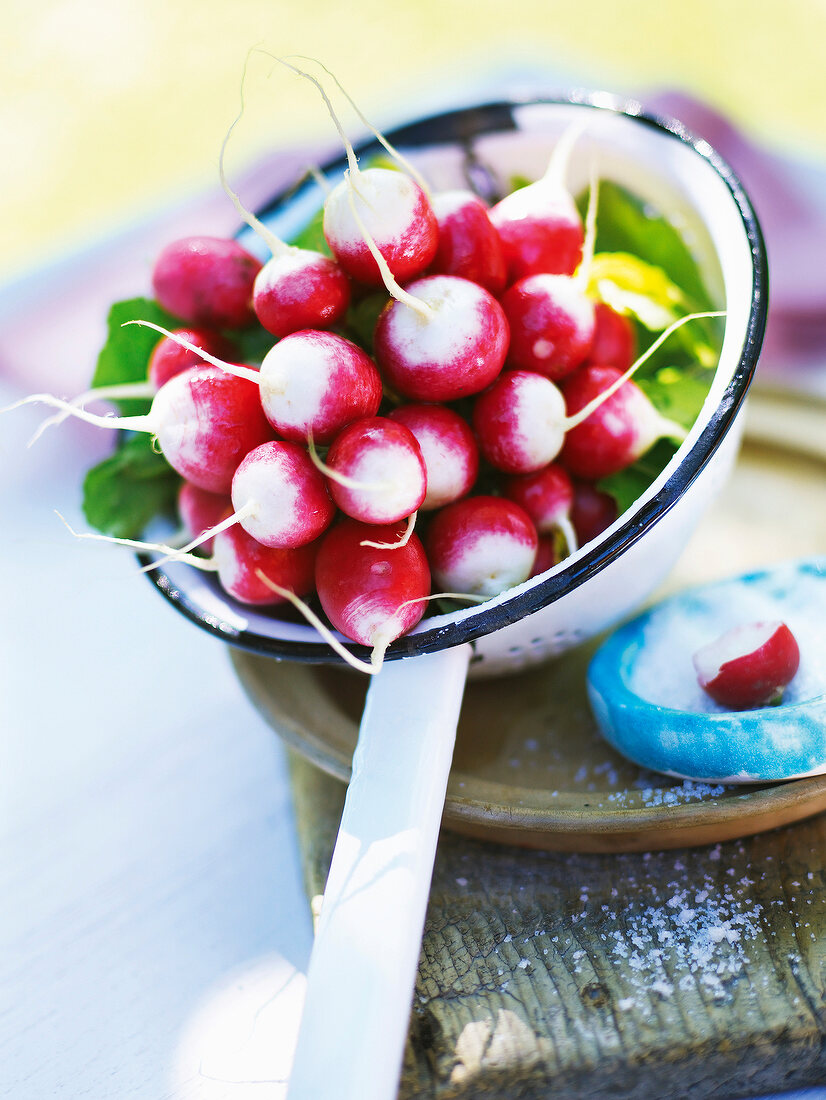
x,y
748,666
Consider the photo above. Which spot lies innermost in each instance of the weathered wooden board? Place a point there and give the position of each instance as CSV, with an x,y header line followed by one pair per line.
x,y
697,972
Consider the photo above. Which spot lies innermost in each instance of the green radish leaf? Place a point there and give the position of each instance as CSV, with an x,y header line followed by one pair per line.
x,y
629,484
253,343
131,487
678,393
629,225
362,316
312,235
383,160
629,285
125,355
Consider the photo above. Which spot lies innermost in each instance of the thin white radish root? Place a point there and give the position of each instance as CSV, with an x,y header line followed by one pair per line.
x,y
237,369
592,406
583,272
371,667
172,554
403,541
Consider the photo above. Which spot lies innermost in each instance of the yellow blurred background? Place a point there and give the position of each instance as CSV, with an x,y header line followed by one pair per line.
x,y
109,110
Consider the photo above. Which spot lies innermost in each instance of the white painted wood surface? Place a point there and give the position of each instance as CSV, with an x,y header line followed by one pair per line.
x,y
153,929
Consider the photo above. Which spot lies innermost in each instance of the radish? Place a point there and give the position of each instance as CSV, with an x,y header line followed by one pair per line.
x,y
481,545
469,245
299,289
200,510
455,349
312,383
551,322
372,596
615,342
316,383
449,449
206,281
376,471
205,420
592,511
748,666
615,433
279,497
520,422
548,497
238,559
396,213
539,225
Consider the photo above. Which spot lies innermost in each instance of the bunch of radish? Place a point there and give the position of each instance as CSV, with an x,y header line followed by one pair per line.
x,y
459,454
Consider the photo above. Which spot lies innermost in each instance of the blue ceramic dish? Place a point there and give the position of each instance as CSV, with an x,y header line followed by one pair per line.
x,y
645,697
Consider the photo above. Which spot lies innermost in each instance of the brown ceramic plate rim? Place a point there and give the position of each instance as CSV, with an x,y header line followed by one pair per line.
x,y
530,819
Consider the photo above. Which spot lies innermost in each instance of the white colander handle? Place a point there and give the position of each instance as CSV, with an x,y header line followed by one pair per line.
x,y
363,965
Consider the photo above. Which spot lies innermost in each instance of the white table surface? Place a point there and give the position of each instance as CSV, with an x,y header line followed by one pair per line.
x,y
153,925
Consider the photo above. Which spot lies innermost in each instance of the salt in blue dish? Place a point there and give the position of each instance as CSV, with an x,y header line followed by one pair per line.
x,y
646,699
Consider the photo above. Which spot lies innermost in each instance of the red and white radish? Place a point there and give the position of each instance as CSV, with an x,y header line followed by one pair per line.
x,y
449,449
205,420
238,559
206,281
618,431
481,545
539,225
300,289
548,497
376,471
394,211
313,384
454,349
279,496
748,666
551,323
469,244
520,422
371,595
